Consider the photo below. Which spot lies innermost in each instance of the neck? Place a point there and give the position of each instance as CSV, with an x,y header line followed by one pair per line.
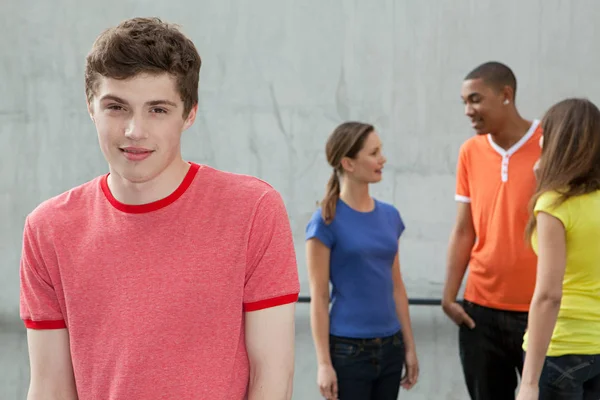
x,y
161,186
356,195
512,131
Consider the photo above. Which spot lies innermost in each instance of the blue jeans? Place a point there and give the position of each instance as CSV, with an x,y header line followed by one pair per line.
x,y
491,354
570,377
368,369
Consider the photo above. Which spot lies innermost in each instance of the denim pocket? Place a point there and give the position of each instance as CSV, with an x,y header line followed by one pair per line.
x,y
398,340
344,350
566,371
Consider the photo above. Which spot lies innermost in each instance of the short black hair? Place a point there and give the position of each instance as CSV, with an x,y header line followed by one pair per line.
x,y
495,74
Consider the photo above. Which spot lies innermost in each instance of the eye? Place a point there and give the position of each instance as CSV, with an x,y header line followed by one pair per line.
x,y
158,110
114,107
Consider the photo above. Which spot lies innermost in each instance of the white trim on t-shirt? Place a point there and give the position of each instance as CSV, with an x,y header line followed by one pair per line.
x,y
514,148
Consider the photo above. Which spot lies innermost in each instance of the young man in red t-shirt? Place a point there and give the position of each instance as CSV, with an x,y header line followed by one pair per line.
x,y
162,279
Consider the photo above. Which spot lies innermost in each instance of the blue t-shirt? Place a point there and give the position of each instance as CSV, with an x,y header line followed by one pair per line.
x,y
363,247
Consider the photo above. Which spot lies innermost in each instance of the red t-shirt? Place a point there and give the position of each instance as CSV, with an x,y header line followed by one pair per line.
x,y
154,295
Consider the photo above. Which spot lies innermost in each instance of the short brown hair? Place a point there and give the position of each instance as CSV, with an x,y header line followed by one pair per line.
x,y
145,45
345,141
570,161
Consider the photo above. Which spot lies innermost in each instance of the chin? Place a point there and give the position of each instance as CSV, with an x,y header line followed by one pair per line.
x,y
481,131
135,173
135,176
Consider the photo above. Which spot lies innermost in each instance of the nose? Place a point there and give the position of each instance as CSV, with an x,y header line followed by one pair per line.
x,y
135,129
469,111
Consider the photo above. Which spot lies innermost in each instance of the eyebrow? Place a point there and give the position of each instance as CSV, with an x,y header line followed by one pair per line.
x,y
148,103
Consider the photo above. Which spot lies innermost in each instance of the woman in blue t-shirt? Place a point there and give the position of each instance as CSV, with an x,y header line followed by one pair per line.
x,y
366,339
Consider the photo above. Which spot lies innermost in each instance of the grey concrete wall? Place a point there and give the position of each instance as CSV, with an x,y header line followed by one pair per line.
x,y
277,77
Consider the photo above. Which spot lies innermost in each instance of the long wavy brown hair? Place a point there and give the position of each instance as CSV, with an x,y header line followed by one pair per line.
x,y
345,141
570,161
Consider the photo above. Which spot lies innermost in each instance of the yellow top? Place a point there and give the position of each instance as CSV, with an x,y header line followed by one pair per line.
x,y
577,329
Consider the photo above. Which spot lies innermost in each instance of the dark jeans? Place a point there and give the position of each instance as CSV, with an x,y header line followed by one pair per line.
x,y
571,377
491,354
368,369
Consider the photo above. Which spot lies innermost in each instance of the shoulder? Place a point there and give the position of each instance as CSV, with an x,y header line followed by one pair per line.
x,y
551,200
317,228
385,205
548,197
392,214
65,208
238,189
553,203
472,149
316,220
474,143
387,208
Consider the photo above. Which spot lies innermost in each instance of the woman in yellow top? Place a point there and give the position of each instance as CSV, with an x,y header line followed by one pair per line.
x,y
562,343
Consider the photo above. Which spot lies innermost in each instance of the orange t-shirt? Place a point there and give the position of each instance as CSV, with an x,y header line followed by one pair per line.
x,y
499,184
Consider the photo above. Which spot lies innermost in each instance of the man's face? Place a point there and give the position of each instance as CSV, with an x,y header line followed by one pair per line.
x,y
483,105
139,123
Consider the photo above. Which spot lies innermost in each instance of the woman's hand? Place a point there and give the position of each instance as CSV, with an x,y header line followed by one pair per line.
x,y
412,370
327,381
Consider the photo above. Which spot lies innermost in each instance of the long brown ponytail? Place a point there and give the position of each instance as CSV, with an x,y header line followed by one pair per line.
x,y
331,197
345,141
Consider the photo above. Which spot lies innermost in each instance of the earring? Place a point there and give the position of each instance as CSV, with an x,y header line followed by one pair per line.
x,y
506,101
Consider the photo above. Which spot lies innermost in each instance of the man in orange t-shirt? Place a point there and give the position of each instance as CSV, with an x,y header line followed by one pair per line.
x,y
495,181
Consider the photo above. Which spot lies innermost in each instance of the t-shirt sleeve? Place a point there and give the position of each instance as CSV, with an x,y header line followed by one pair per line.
x,y
271,268
39,306
546,203
463,193
399,223
318,229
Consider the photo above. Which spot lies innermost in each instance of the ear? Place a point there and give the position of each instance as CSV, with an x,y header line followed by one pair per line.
x,y
508,95
347,164
191,117
90,108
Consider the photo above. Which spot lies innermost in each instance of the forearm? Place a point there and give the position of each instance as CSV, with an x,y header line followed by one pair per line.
x,y
38,393
52,382
273,385
319,318
271,352
459,253
543,313
403,313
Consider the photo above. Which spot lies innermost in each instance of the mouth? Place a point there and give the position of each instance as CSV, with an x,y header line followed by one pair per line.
x,y
134,150
476,122
379,171
135,153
